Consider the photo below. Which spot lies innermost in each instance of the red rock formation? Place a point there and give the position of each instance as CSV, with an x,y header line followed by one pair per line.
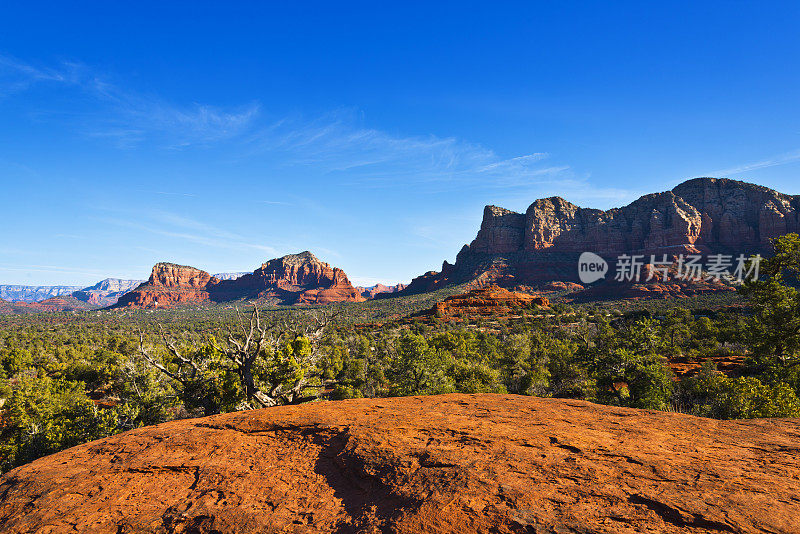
x,y
59,304
416,465
703,215
170,284
170,275
729,364
485,301
557,286
293,279
700,216
378,289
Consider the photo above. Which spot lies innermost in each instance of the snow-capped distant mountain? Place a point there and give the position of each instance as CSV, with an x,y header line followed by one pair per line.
x,y
228,276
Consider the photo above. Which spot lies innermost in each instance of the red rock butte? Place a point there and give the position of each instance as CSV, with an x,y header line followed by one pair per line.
x,y
441,464
542,245
293,279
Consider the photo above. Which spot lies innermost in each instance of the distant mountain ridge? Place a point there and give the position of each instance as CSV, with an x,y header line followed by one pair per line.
x,y
106,292
103,293
370,292
292,279
21,293
229,276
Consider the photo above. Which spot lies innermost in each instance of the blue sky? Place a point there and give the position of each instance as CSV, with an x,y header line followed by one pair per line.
x,y
223,136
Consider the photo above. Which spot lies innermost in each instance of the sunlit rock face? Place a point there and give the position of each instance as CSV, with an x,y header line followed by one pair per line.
x,y
293,279
541,246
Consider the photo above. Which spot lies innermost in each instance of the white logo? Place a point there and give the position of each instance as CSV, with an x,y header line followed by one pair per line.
x,y
591,267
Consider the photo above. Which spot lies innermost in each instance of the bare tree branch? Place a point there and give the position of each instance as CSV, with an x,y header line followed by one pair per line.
x,y
155,363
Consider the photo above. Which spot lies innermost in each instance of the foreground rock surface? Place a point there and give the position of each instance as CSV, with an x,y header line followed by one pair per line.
x,y
452,463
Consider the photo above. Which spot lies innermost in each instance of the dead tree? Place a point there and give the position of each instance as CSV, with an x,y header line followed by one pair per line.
x,y
314,331
187,374
243,346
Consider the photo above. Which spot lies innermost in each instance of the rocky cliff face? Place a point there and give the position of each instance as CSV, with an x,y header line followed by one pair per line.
x,y
293,279
700,216
441,464
170,284
170,275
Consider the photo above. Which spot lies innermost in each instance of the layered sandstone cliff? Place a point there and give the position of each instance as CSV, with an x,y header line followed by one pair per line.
x,y
293,279
700,216
444,464
170,284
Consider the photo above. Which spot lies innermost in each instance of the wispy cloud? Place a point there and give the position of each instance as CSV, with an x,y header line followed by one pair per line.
x,y
128,117
336,145
175,127
337,142
16,75
169,219
518,163
185,229
7,251
48,269
340,147
781,159
166,193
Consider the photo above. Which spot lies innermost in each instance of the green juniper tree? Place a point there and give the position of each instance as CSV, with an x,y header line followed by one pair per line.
x,y
773,332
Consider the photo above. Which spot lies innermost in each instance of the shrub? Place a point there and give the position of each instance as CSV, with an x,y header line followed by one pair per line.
x,y
712,394
46,415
